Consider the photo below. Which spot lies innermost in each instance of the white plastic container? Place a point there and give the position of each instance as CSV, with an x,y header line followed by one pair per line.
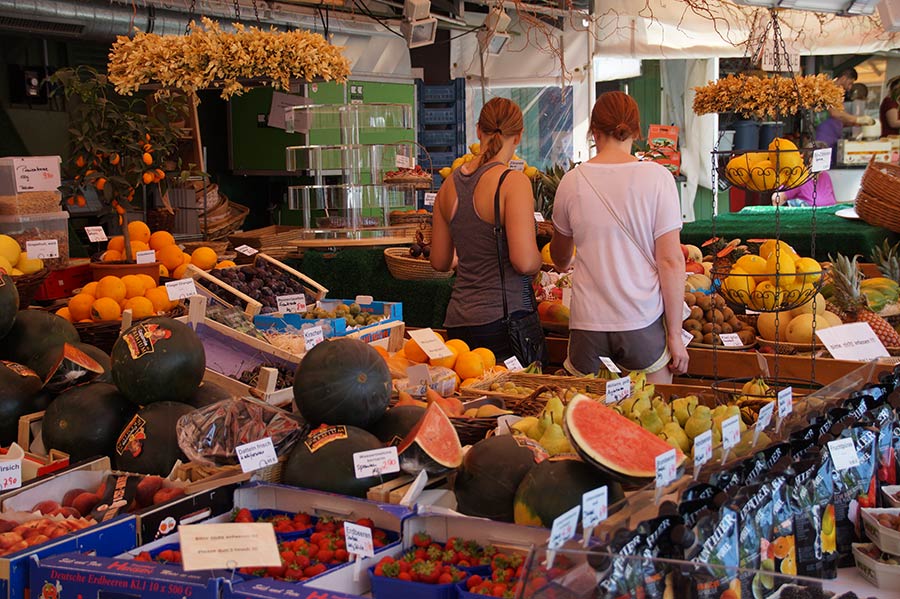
x,y
891,495
884,576
42,230
886,539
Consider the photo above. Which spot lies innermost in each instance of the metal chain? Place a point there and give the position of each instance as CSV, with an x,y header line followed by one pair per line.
x,y
256,12
191,10
237,10
812,253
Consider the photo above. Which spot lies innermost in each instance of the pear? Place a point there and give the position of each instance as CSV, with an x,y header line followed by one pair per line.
x,y
716,434
554,440
674,436
488,410
696,424
556,408
628,403
638,379
693,402
470,413
702,412
640,406
650,420
527,426
663,409
544,423
680,410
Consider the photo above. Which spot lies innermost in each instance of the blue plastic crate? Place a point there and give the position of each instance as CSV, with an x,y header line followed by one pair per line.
x,y
392,588
437,93
393,311
440,159
439,116
438,137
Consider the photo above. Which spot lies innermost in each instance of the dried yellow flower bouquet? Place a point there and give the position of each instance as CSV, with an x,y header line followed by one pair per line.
x,y
209,56
765,98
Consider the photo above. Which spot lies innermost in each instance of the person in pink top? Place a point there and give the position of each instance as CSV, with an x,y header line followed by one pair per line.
x,y
624,217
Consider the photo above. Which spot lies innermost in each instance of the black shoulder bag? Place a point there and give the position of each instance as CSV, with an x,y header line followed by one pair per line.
x,y
526,336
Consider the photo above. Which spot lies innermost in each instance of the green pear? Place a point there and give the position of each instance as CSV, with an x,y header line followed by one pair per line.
x,y
640,406
693,401
650,420
702,412
638,379
528,426
556,408
628,403
716,434
663,409
554,440
681,414
674,436
696,425
544,423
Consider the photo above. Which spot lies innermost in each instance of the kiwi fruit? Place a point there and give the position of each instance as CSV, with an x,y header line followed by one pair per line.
x,y
726,328
718,301
704,302
707,327
690,299
692,325
727,313
696,313
708,338
715,315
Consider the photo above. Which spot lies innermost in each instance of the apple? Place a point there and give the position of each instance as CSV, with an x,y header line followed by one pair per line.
x,y
693,267
70,496
168,494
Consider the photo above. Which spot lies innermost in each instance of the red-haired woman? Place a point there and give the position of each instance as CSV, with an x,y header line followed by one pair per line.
x,y
464,233
624,217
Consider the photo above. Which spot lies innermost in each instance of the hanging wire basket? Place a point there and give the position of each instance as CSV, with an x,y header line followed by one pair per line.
x,y
768,292
765,171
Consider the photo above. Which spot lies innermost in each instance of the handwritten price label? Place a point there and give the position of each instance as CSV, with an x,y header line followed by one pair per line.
x,y
358,540
610,365
765,416
843,453
564,528
180,289
44,249
618,389
702,448
431,344
375,462
512,364
10,475
96,234
785,402
402,161
686,337
538,217
730,340
256,454
430,197
666,468
517,165
145,257
291,304
594,507
246,250
731,432
313,336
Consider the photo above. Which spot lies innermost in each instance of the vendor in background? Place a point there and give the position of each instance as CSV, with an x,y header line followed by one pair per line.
x,y
463,235
628,285
890,120
831,129
803,194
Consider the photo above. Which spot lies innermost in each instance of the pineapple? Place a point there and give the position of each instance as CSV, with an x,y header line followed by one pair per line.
x,y
887,257
851,302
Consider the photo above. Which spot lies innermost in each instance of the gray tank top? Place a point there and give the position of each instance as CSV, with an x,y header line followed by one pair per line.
x,y
475,299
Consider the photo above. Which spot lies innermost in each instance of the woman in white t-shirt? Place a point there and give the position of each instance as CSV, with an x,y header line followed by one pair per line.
x,y
624,217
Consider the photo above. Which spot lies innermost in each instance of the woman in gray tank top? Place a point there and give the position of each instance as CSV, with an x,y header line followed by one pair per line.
x,y
464,235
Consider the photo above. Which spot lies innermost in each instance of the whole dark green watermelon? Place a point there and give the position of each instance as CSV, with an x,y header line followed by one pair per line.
x,y
35,340
19,389
396,423
158,359
9,303
148,443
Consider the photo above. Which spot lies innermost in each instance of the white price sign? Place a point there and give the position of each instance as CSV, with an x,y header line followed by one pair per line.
x,y
513,365
618,389
431,344
429,198
246,250
418,375
375,462
821,160
538,217
765,416
517,165
564,528
42,248
96,234
291,304
228,545
702,448
666,468
687,337
843,453
594,507
180,289
36,173
313,336
10,475
731,432
256,454
358,540
402,161
145,257
785,402
730,340
609,364
856,341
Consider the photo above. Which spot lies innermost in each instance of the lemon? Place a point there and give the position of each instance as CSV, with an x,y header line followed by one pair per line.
x,y
754,265
738,168
545,255
768,247
5,266
783,153
763,176
808,265
738,285
475,148
27,265
781,263
9,249
766,296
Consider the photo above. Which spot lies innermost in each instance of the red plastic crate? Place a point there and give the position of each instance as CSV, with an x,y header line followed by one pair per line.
x,y
62,283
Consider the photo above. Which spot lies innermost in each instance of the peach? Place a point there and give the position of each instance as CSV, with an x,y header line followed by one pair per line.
x,y
9,539
6,526
68,512
146,489
46,507
85,503
37,540
167,494
70,496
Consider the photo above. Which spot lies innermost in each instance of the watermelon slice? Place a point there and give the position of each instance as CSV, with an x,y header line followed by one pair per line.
x,y
73,367
432,445
612,442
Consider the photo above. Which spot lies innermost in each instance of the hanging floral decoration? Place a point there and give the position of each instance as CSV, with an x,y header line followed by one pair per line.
x,y
752,96
208,56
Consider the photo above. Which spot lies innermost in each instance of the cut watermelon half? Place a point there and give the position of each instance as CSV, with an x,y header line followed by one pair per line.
x,y
612,442
432,445
74,367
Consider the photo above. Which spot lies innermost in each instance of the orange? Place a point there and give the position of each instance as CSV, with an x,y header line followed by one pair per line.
x,y
80,306
138,231
163,271
447,362
180,271
225,264
116,243
148,281
459,345
382,352
134,286
114,159
112,256
90,288
138,246
111,287
147,158
204,257
160,299
65,313
148,177
487,356
160,239
105,308
171,257
470,365
140,307
468,382
413,352
185,258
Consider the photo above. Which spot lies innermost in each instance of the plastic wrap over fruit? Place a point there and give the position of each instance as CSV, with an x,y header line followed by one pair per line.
x,y
210,435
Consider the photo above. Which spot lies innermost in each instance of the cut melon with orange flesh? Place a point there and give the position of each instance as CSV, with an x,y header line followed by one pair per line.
x,y
608,440
432,445
73,367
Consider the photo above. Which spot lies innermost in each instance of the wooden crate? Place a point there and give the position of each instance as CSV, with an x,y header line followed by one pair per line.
x,y
252,307
388,335
394,490
271,236
706,364
531,381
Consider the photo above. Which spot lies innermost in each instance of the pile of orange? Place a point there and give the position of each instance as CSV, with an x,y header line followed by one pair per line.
x,y
105,299
173,261
469,364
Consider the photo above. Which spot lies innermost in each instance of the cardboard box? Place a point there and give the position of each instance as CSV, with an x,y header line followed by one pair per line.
x,y
35,466
663,136
861,152
276,589
73,575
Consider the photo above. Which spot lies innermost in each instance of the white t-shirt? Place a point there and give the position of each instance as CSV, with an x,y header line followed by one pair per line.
x,y
614,288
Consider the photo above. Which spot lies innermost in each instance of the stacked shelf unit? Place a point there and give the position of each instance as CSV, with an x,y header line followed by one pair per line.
x,y
442,124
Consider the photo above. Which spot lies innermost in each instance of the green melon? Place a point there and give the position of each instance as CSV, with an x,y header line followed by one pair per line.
x,y
101,357
396,423
19,389
491,473
85,421
35,339
555,486
148,443
342,381
324,461
9,303
158,359
209,393
73,367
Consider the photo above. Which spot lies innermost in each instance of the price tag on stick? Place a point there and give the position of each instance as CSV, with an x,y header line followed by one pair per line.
x,y
785,400
763,420
96,234
731,340
291,304
431,344
10,475
702,450
246,250
843,453
145,257
610,365
44,249
666,469
313,336
731,434
513,365
256,455
594,510
359,544
618,389
376,462
180,289
563,529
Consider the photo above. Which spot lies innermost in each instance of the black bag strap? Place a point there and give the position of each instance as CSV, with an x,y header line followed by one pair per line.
x,y
498,236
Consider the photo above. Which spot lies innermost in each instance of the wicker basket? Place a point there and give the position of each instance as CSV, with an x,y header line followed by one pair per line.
x,y
405,268
220,247
410,218
193,472
28,285
161,219
222,228
532,382
105,333
878,200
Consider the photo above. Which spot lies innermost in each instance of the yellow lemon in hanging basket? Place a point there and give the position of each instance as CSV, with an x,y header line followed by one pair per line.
x,y
766,296
781,269
738,285
783,153
738,168
767,248
805,266
763,176
754,265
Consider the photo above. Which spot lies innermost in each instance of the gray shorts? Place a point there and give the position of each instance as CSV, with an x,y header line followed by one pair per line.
x,y
643,349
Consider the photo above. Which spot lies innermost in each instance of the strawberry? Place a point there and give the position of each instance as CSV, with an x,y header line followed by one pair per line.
x,y
404,576
445,579
243,515
473,581
421,539
366,522
275,572
143,556
427,571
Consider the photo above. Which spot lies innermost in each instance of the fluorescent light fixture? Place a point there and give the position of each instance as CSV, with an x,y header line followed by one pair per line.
x,y
492,42
419,33
416,10
497,20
